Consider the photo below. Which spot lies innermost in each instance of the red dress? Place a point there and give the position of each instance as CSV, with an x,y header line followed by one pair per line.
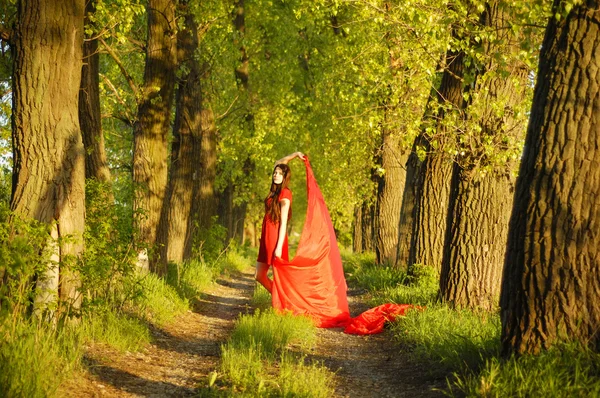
x,y
270,234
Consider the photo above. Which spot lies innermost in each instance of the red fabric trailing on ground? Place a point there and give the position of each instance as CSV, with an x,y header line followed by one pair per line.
x,y
313,282
373,320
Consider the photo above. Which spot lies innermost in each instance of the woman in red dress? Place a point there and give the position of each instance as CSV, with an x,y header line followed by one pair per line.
x,y
273,239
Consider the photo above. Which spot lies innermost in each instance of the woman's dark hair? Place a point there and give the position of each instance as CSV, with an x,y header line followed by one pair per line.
x,y
272,200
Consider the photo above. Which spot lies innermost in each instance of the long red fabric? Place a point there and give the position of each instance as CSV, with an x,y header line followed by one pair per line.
x,y
313,283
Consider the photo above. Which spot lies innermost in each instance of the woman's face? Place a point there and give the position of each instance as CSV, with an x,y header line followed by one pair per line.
x,y
277,176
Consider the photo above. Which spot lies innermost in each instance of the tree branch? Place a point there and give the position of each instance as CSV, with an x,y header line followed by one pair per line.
x,y
127,76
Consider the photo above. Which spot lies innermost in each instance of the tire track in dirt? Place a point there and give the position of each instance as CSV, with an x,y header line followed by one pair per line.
x,y
180,357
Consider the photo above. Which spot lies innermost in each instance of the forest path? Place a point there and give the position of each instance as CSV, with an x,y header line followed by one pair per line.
x,y
181,355
185,352
374,366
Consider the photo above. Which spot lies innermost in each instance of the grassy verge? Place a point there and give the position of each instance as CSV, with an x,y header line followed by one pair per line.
x,y
266,356
35,358
466,344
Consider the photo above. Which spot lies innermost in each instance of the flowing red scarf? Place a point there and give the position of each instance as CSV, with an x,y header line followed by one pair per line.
x,y
313,283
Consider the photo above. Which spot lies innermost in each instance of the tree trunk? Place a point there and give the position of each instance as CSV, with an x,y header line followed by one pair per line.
x,y
389,201
407,210
433,186
368,227
357,237
150,152
176,227
551,282
482,192
48,152
90,120
477,230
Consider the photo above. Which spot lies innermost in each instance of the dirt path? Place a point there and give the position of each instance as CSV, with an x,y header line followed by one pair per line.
x,y
180,357
374,366
183,354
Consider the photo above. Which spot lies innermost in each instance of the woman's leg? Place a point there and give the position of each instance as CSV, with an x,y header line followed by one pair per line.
x,y
261,276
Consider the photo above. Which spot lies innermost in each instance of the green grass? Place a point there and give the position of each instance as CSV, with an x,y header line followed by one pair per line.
x,y
567,370
119,331
261,298
35,359
458,340
465,344
266,356
161,302
271,333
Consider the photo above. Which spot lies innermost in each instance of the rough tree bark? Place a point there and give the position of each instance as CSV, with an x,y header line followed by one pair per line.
x,y
389,201
48,152
150,152
433,184
177,223
551,281
481,193
90,120
407,209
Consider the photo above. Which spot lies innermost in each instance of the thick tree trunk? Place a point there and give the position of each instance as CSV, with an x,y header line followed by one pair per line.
x,y
433,186
389,200
205,203
90,120
176,228
48,153
482,193
150,152
551,285
477,230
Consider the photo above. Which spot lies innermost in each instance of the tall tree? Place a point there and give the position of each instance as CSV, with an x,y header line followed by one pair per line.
x,y
433,185
96,165
151,131
482,180
551,281
192,174
48,152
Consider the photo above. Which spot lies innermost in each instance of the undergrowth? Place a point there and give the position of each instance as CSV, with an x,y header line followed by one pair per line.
x,y
267,356
40,349
465,344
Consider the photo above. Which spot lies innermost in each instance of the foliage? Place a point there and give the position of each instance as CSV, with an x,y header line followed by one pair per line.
x,y
209,243
24,255
108,274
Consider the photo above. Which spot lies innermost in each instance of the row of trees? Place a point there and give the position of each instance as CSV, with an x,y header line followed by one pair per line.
x,y
414,114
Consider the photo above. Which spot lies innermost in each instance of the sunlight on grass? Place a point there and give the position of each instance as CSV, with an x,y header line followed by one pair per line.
x,y
270,333
567,370
160,303
261,298
457,339
34,359
266,356
120,331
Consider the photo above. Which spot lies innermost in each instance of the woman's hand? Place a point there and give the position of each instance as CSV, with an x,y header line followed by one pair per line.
x,y
287,158
278,252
